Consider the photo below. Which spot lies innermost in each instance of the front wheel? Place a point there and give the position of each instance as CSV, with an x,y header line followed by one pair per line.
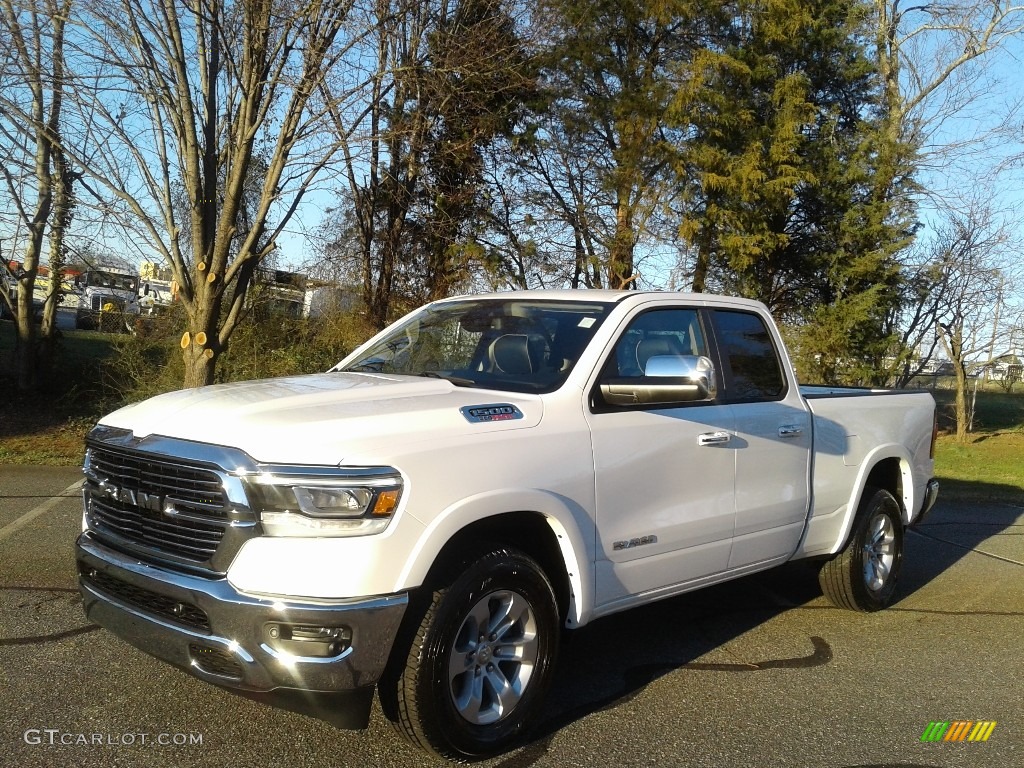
x,y
862,577
481,659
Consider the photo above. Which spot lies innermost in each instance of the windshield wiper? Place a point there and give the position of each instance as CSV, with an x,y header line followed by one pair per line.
x,y
370,366
458,381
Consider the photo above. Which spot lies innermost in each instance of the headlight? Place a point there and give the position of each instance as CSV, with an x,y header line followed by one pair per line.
x,y
332,502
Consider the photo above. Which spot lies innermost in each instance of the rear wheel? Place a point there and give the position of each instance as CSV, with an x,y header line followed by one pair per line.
x,y
480,660
862,577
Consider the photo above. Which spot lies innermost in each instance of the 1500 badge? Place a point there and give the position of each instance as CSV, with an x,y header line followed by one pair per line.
x,y
476,414
637,542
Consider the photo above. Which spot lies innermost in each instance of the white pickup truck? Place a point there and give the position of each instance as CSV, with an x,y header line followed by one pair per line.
x,y
429,515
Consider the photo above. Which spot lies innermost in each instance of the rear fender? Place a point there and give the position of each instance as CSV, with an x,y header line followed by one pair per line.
x,y
907,496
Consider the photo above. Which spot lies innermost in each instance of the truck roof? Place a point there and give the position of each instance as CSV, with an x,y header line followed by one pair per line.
x,y
610,296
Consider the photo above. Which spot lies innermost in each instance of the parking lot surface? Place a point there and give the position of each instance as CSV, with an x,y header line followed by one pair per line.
x,y
759,672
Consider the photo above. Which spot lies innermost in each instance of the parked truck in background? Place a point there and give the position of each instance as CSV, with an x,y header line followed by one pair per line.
x,y
155,296
9,301
108,297
40,288
427,517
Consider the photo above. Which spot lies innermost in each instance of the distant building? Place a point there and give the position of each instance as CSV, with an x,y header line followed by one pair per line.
x,y
327,299
150,270
1008,367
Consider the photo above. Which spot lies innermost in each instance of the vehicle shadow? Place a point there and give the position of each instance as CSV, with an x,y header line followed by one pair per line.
x,y
612,660
984,518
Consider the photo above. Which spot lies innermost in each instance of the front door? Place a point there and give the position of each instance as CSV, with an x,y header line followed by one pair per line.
x,y
664,475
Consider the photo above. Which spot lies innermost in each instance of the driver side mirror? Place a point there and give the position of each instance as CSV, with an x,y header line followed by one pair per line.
x,y
667,380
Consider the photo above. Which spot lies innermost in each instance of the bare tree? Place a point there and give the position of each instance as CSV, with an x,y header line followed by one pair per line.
x,y
448,79
36,174
384,161
606,144
934,62
932,58
913,322
202,127
974,249
550,214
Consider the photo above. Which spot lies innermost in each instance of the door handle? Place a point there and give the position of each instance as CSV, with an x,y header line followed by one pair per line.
x,y
790,430
713,438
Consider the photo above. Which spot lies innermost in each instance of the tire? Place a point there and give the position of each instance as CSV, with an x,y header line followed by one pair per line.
x,y
863,576
480,658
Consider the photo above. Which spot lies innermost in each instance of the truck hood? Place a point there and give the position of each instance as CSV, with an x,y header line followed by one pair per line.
x,y
322,418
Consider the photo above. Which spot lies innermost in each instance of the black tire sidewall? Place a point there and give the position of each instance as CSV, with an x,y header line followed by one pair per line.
x,y
884,503
495,572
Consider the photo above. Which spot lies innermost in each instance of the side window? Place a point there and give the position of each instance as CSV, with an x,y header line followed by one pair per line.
x,y
655,333
747,346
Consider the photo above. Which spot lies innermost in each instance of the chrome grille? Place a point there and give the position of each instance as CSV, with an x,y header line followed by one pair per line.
x,y
164,506
146,600
99,301
183,538
197,488
215,661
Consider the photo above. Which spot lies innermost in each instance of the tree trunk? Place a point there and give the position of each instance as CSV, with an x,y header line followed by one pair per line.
x,y
961,403
201,347
61,179
379,309
620,261
63,206
26,351
200,365
580,261
26,346
700,272
953,341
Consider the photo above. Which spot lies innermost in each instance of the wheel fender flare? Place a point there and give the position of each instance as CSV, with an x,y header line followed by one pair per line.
x,y
872,460
559,513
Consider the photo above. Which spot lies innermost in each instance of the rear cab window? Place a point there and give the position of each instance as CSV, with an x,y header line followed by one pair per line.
x,y
750,360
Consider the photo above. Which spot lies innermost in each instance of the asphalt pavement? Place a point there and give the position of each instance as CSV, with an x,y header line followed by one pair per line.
x,y
759,672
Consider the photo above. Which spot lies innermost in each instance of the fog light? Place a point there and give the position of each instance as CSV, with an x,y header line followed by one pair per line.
x,y
308,640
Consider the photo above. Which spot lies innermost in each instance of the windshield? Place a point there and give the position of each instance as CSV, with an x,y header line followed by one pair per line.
x,y
112,280
508,344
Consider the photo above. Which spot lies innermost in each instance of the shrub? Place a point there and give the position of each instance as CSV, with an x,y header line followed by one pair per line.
x,y
264,345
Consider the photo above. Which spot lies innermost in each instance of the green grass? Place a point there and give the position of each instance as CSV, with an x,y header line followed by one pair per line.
x,y
994,410
989,469
49,426
990,465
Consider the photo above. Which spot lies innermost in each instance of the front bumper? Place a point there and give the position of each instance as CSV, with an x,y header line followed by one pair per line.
x,y
254,646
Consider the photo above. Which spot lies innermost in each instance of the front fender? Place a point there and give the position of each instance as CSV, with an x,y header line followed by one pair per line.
x,y
571,525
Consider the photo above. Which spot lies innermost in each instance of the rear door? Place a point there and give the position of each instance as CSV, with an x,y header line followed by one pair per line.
x,y
772,441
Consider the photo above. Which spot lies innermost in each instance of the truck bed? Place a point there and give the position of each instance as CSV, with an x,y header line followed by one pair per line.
x,y
854,430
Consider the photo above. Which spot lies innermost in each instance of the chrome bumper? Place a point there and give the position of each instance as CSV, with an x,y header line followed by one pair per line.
x,y
931,493
264,648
